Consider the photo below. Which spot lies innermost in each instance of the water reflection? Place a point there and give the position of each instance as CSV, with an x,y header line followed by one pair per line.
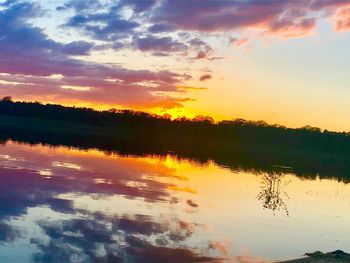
x,y
34,178
96,238
272,192
68,205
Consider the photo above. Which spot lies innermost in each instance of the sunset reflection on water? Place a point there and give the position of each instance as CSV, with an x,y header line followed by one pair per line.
x,y
69,205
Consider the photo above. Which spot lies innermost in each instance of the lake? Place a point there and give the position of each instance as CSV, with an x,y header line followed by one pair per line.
x,y
61,204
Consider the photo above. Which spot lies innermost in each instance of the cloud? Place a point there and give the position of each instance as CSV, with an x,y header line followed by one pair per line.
x,y
201,50
283,18
31,58
288,28
205,77
191,88
239,41
139,6
160,28
111,26
78,48
128,92
155,44
83,5
108,25
342,19
82,233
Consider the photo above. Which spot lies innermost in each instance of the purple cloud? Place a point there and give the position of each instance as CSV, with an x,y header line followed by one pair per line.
x,y
31,58
158,28
285,18
78,48
106,26
163,44
282,18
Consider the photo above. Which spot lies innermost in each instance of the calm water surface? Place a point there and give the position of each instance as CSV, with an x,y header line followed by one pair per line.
x,y
68,205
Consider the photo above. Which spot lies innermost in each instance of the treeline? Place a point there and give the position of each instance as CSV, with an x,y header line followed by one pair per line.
x,y
201,132
237,144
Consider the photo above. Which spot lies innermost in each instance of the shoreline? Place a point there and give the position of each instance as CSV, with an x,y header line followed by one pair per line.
x,y
337,256
234,154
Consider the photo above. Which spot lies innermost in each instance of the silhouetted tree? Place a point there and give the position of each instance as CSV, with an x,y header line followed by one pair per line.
x,y
7,99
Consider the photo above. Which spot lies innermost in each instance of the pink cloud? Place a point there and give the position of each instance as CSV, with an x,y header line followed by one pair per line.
x,y
97,91
239,41
292,29
282,18
342,19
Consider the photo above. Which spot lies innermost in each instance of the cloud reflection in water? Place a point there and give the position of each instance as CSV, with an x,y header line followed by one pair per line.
x,y
55,180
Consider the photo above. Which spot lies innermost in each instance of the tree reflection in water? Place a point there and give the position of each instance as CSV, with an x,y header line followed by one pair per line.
x,y
272,192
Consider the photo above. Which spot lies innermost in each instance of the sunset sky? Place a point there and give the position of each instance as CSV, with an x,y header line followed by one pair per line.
x,y
282,61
